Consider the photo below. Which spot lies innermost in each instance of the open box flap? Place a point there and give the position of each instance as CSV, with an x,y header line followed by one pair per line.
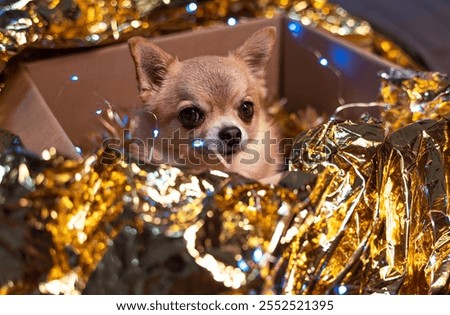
x,y
318,69
24,112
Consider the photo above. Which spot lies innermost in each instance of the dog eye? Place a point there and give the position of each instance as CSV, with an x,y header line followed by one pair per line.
x,y
246,111
190,117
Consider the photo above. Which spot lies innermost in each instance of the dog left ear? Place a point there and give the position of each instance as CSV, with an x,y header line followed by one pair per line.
x,y
151,64
257,49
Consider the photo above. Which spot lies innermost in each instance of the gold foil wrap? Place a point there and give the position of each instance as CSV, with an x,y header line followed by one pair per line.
x,y
330,232
24,248
81,207
412,96
81,23
376,221
378,214
20,25
240,231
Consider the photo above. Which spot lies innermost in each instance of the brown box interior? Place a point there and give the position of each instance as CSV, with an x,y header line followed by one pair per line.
x,y
46,107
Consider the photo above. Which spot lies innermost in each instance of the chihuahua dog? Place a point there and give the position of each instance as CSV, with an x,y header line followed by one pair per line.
x,y
211,110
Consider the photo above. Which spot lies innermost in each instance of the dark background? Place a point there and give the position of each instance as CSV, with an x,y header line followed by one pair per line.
x,y
421,27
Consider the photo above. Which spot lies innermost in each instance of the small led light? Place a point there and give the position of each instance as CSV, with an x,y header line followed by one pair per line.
x,y
191,7
293,26
232,21
95,37
74,78
296,29
342,290
257,255
243,265
135,23
78,149
198,143
323,61
98,111
155,133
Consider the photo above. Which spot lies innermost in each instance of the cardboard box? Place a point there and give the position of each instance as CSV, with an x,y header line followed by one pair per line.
x,y
52,102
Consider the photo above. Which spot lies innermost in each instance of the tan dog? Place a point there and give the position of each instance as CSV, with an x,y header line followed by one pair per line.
x,y
210,109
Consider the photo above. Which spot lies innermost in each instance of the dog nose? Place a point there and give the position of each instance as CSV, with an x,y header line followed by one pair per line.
x,y
231,135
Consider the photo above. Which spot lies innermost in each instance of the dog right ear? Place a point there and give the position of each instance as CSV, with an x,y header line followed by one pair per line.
x,y
151,64
257,49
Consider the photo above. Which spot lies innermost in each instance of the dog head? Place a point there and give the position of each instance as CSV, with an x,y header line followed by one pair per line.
x,y
211,104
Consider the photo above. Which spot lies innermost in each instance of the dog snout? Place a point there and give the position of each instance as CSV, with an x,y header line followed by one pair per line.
x,y
230,135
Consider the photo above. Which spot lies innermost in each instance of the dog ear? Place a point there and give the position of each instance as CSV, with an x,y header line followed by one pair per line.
x,y
151,64
257,49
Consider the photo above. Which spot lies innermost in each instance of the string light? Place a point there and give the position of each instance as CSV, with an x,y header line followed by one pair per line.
x,y
257,255
95,37
78,149
342,290
191,7
339,55
243,265
74,78
295,28
359,105
197,143
232,21
323,61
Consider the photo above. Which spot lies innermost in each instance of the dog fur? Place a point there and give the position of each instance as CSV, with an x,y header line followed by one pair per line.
x,y
219,89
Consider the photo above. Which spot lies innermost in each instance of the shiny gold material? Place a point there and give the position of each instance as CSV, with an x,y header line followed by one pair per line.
x,y
89,22
78,204
331,231
293,122
412,96
83,205
20,25
388,49
240,232
24,247
89,197
376,220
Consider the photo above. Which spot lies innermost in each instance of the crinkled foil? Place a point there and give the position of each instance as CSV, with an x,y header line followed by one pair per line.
x,y
24,248
74,217
332,229
82,23
145,262
377,218
20,25
412,96
240,231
